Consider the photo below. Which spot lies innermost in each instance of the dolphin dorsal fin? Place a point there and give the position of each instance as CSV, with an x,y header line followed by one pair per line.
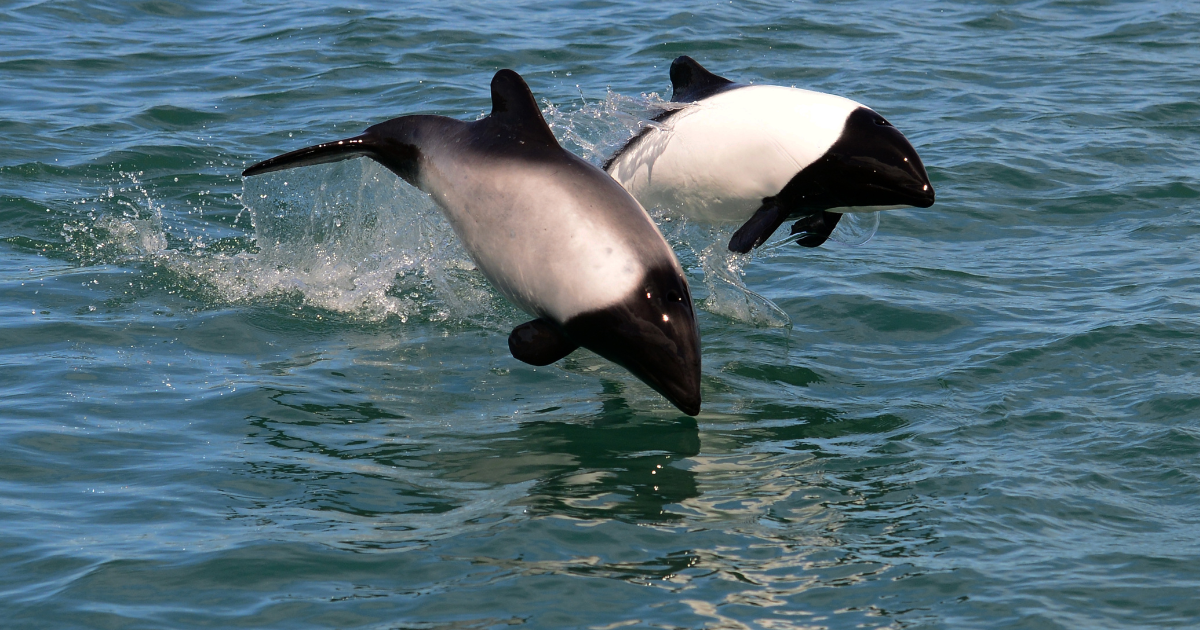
x,y
691,82
514,107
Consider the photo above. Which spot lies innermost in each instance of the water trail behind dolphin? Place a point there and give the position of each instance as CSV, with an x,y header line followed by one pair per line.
x,y
354,237
348,238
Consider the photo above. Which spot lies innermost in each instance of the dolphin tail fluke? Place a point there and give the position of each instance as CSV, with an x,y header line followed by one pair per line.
x,y
539,342
358,146
397,156
759,228
815,228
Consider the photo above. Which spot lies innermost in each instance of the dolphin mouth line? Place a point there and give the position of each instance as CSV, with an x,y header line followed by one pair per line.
x,y
897,198
920,199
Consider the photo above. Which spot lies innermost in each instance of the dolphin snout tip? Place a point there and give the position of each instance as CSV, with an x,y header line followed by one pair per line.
x,y
926,196
689,402
678,378
669,362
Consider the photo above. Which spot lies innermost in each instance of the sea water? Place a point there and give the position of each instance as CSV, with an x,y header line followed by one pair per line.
x,y
287,402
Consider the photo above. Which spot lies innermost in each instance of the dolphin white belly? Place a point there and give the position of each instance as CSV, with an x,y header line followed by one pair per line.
x,y
549,246
716,159
557,236
762,154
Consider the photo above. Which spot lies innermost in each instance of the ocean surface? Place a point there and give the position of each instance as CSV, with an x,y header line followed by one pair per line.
x,y
287,402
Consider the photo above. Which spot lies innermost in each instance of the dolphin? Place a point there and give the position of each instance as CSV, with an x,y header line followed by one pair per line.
x,y
763,154
554,234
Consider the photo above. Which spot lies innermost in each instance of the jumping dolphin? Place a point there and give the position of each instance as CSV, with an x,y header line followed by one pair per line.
x,y
763,154
554,234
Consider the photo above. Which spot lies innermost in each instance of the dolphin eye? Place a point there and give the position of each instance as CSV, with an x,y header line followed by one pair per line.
x,y
673,296
882,123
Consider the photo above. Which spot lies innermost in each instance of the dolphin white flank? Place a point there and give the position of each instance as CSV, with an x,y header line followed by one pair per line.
x,y
763,154
554,234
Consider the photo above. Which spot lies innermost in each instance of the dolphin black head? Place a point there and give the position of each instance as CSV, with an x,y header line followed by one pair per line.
x,y
653,334
871,164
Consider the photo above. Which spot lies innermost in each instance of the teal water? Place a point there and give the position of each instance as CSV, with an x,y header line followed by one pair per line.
x,y
288,403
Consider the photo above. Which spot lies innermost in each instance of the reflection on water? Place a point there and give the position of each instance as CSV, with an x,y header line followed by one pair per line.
x,y
358,460
823,499
616,464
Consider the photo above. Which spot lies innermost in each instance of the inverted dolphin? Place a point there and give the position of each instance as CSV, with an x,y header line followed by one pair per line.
x,y
554,234
763,154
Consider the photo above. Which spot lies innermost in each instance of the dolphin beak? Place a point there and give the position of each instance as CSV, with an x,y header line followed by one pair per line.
x,y
653,334
873,164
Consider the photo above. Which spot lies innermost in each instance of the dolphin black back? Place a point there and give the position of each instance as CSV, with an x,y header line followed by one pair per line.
x,y
515,115
515,125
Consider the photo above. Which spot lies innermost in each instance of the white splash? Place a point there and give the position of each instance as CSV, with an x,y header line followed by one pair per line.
x,y
353,238
134,230
595,129
856,228
350,238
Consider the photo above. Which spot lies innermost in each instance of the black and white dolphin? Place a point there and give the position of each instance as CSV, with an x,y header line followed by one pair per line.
x,y
763,154
553,233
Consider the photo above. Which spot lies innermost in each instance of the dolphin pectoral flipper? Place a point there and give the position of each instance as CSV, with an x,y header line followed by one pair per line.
x,y
538,342
816,228
760,227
